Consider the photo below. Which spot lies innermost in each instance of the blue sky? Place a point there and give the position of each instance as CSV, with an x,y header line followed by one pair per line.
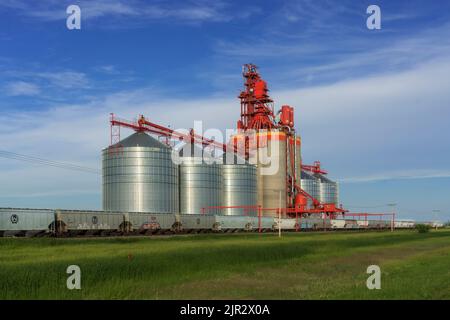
x,y
372,105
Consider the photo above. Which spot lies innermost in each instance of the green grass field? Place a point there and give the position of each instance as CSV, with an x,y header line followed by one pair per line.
x,y
329,265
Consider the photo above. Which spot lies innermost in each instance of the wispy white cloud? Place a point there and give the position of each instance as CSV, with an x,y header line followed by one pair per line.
x,y
108,69
398,175
315,16
21,88
399,55
318,50
64,79
190,11
363,125
399,16
42,83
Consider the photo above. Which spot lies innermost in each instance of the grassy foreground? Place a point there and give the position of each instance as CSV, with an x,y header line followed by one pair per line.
x,y
330,265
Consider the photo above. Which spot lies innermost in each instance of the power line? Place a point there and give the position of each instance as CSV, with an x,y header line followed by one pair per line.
x,y
46,162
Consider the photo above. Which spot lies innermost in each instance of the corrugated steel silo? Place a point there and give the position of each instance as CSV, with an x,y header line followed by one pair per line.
x,y
200,182
329,192
271,170
140,176
311,185
239,184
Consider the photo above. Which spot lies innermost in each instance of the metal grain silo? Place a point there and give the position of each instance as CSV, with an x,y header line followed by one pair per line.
x,y
271,170
329,192
139,176
239,185
200,182
311,185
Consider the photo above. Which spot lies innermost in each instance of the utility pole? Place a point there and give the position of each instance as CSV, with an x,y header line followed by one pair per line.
x,y
279,215
279,212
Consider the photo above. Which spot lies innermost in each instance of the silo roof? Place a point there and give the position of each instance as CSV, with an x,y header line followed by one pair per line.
x,y
141,139
191,150
324,179
305,175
